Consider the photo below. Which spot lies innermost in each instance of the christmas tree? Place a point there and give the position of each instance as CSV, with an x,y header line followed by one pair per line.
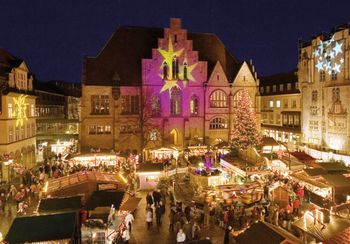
x,y
245,132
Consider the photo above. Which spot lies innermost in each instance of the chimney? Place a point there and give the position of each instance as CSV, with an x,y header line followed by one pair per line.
x,y
175,23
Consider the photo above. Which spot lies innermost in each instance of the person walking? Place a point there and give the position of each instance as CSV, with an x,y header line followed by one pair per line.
x,y
159,213
129,219
227,235
180,237
187,228
196,232
171,220
149,217
126,235
149,199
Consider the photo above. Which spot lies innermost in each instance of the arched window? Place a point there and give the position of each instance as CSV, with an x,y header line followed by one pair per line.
x,y
175,101
155,106
194,105
218,124
175,67
218,99
185,71
237,97
165,71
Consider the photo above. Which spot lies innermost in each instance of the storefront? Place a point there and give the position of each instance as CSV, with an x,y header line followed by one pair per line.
x,y
162,153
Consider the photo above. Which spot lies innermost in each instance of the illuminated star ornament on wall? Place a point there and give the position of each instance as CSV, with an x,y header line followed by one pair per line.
x,y
329,56
184,70
20,110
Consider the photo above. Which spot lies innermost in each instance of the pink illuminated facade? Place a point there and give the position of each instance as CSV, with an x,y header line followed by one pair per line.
x,y
151,87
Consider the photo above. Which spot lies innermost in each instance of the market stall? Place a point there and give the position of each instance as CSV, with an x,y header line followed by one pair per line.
x,y
55,228
245,194
162,153
149,174
95,159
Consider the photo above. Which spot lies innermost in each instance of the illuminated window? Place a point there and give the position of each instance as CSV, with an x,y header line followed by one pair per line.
x,y
175,101
17,134
296,120
33,129
274,88
336,94
334,75
281,87
271,119
261,89
289,86
278,118
107,129
267,89
194,105
218,124
32,110
130,104
23,135
218,99
28,130
153,135
11,134
92,129
322,75
100,104
9,110
128,129
155,106
278,104
271,104
237,97
314,95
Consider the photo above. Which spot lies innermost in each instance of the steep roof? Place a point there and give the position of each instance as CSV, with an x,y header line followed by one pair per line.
x,y
7,62
42,228
280,78
264,233
122,56
56,204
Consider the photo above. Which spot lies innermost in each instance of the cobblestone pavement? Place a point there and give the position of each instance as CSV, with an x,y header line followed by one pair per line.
x,y
141,235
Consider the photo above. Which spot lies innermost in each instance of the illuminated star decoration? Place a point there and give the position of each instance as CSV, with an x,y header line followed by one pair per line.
x,y
20,110
328,56
168,56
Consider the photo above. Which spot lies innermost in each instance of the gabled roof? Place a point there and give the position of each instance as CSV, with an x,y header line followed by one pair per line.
x,y
7,62
104,199
264,233
42,228
150,167
128,45
56,204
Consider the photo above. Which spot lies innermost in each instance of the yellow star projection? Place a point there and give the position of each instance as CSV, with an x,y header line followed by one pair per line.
x,y
20,109
168,56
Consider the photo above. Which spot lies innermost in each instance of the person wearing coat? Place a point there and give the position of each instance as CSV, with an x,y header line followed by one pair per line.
x,y
149,217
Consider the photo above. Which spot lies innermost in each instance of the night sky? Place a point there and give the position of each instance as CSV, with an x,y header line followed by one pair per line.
x,y
52,36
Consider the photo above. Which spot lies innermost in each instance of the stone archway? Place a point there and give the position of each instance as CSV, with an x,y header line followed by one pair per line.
x,y
174,137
